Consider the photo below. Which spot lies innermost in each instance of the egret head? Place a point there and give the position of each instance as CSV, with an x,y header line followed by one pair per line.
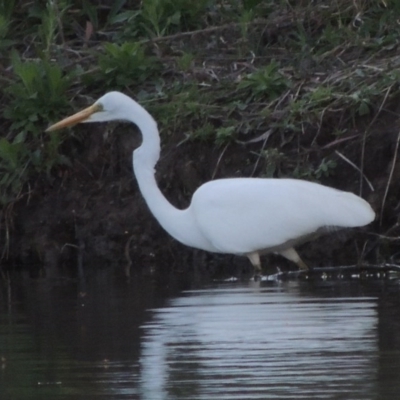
x,y
111,106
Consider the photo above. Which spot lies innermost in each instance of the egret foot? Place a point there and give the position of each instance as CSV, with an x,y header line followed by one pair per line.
x,y
302,265
291,254
255,260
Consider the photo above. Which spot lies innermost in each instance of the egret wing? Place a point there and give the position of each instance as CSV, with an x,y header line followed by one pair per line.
x,y
242,215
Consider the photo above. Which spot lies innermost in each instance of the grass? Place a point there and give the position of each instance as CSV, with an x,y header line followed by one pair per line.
x,y
219,72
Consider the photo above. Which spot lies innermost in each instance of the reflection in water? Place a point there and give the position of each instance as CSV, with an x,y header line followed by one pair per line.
x,y
243,341
246,343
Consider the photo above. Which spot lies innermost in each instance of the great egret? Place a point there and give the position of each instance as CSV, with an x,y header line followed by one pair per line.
x,y
243,216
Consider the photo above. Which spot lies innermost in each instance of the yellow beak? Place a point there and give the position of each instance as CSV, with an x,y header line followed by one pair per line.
x,y
80,116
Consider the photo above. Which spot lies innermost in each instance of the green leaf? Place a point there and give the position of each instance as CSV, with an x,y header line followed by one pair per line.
x,y
364,108
7,152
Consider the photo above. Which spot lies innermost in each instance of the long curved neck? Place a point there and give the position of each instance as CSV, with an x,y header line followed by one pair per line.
x,y
180,224
144,161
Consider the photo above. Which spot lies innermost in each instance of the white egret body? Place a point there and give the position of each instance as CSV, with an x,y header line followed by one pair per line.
x,y
244,216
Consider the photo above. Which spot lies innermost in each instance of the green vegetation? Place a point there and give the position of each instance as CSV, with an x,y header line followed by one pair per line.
x,y
266,83
36,96
220,72
124,65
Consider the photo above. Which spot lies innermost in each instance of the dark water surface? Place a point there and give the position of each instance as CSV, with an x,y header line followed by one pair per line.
x,y
146,340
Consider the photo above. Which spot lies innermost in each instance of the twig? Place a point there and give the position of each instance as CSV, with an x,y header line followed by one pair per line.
x,y
267,135
390,177
218,161
356,168
337,141
319,126
389,238
366,133
204,30
59,21
127,267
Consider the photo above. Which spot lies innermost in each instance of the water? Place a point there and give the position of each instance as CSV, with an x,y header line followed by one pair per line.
x,y
145,340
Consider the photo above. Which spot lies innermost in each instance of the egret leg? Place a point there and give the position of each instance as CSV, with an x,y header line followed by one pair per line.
x,y
255,260
291,254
